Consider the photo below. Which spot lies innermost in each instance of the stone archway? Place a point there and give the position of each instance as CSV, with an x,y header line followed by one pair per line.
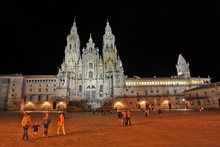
x,y
54,105
91,92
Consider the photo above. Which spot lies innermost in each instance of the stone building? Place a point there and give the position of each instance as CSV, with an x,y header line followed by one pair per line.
x,y
89,75
158,92
207,96
98,79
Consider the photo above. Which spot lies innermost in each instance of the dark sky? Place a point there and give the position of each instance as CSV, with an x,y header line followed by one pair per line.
x,y
150,34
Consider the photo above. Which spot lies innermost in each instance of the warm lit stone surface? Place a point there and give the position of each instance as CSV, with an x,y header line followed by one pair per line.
x,y
188,129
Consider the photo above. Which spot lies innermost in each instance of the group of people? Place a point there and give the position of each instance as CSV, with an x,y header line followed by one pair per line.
x,y
27,123
124,117
147,112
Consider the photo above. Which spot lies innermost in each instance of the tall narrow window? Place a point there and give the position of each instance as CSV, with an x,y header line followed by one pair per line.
x,y
146,93
80,88
70,46
101,88
90,74
80,76
39,98
90,65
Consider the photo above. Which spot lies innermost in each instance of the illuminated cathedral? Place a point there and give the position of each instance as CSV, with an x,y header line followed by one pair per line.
x,y
85,74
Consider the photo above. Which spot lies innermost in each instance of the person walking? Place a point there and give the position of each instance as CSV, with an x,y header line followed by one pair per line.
x,y
60,123
128,118
46,122
26,123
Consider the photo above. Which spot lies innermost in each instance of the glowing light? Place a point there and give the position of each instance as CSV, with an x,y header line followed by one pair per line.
x,y
143,102
118,103
46,103
61,103
183,100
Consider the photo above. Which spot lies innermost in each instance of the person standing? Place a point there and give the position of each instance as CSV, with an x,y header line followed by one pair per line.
x,y
147,112
128,118
26,123
46,122
94,112
35,127
160,112
60,123
124,114
120,115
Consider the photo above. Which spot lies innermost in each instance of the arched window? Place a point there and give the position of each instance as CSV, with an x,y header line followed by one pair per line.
x,y
107,46
90,74
111,46
80,88
70,46
90,65
80,76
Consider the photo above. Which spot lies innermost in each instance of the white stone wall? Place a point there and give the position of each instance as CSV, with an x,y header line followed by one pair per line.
x,y
4,88
207,97
15,93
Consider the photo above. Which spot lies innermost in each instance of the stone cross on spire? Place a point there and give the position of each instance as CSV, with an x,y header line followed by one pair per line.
x,y
90,38
74,28
108,29
90,44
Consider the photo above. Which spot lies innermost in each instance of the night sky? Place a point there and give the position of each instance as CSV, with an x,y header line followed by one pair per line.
x,y
150,34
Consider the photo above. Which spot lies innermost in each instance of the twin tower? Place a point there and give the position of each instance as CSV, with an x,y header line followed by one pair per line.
x,y
88,74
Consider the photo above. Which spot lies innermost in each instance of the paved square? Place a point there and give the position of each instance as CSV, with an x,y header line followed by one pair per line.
x,y
188,129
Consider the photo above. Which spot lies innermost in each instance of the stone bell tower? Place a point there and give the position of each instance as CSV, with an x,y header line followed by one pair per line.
x,y
182,67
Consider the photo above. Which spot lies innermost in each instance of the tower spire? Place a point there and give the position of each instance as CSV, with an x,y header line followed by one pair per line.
x,y
182,67
74,28
90,38
108,29
74,21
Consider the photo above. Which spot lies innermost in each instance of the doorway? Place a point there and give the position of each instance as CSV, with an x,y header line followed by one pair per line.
x,y
54,105
170,106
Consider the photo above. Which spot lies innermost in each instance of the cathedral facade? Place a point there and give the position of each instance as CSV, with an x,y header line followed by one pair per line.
x,y
90,75
96,78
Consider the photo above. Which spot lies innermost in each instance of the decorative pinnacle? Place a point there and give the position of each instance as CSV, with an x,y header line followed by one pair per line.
x,y
74,22
107,22
90,37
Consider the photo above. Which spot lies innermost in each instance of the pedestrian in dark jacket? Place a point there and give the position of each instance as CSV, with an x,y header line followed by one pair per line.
x,y
46,122
160,112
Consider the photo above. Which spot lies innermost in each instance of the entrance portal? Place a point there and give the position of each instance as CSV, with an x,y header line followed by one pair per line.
x,y
54,105
170,106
